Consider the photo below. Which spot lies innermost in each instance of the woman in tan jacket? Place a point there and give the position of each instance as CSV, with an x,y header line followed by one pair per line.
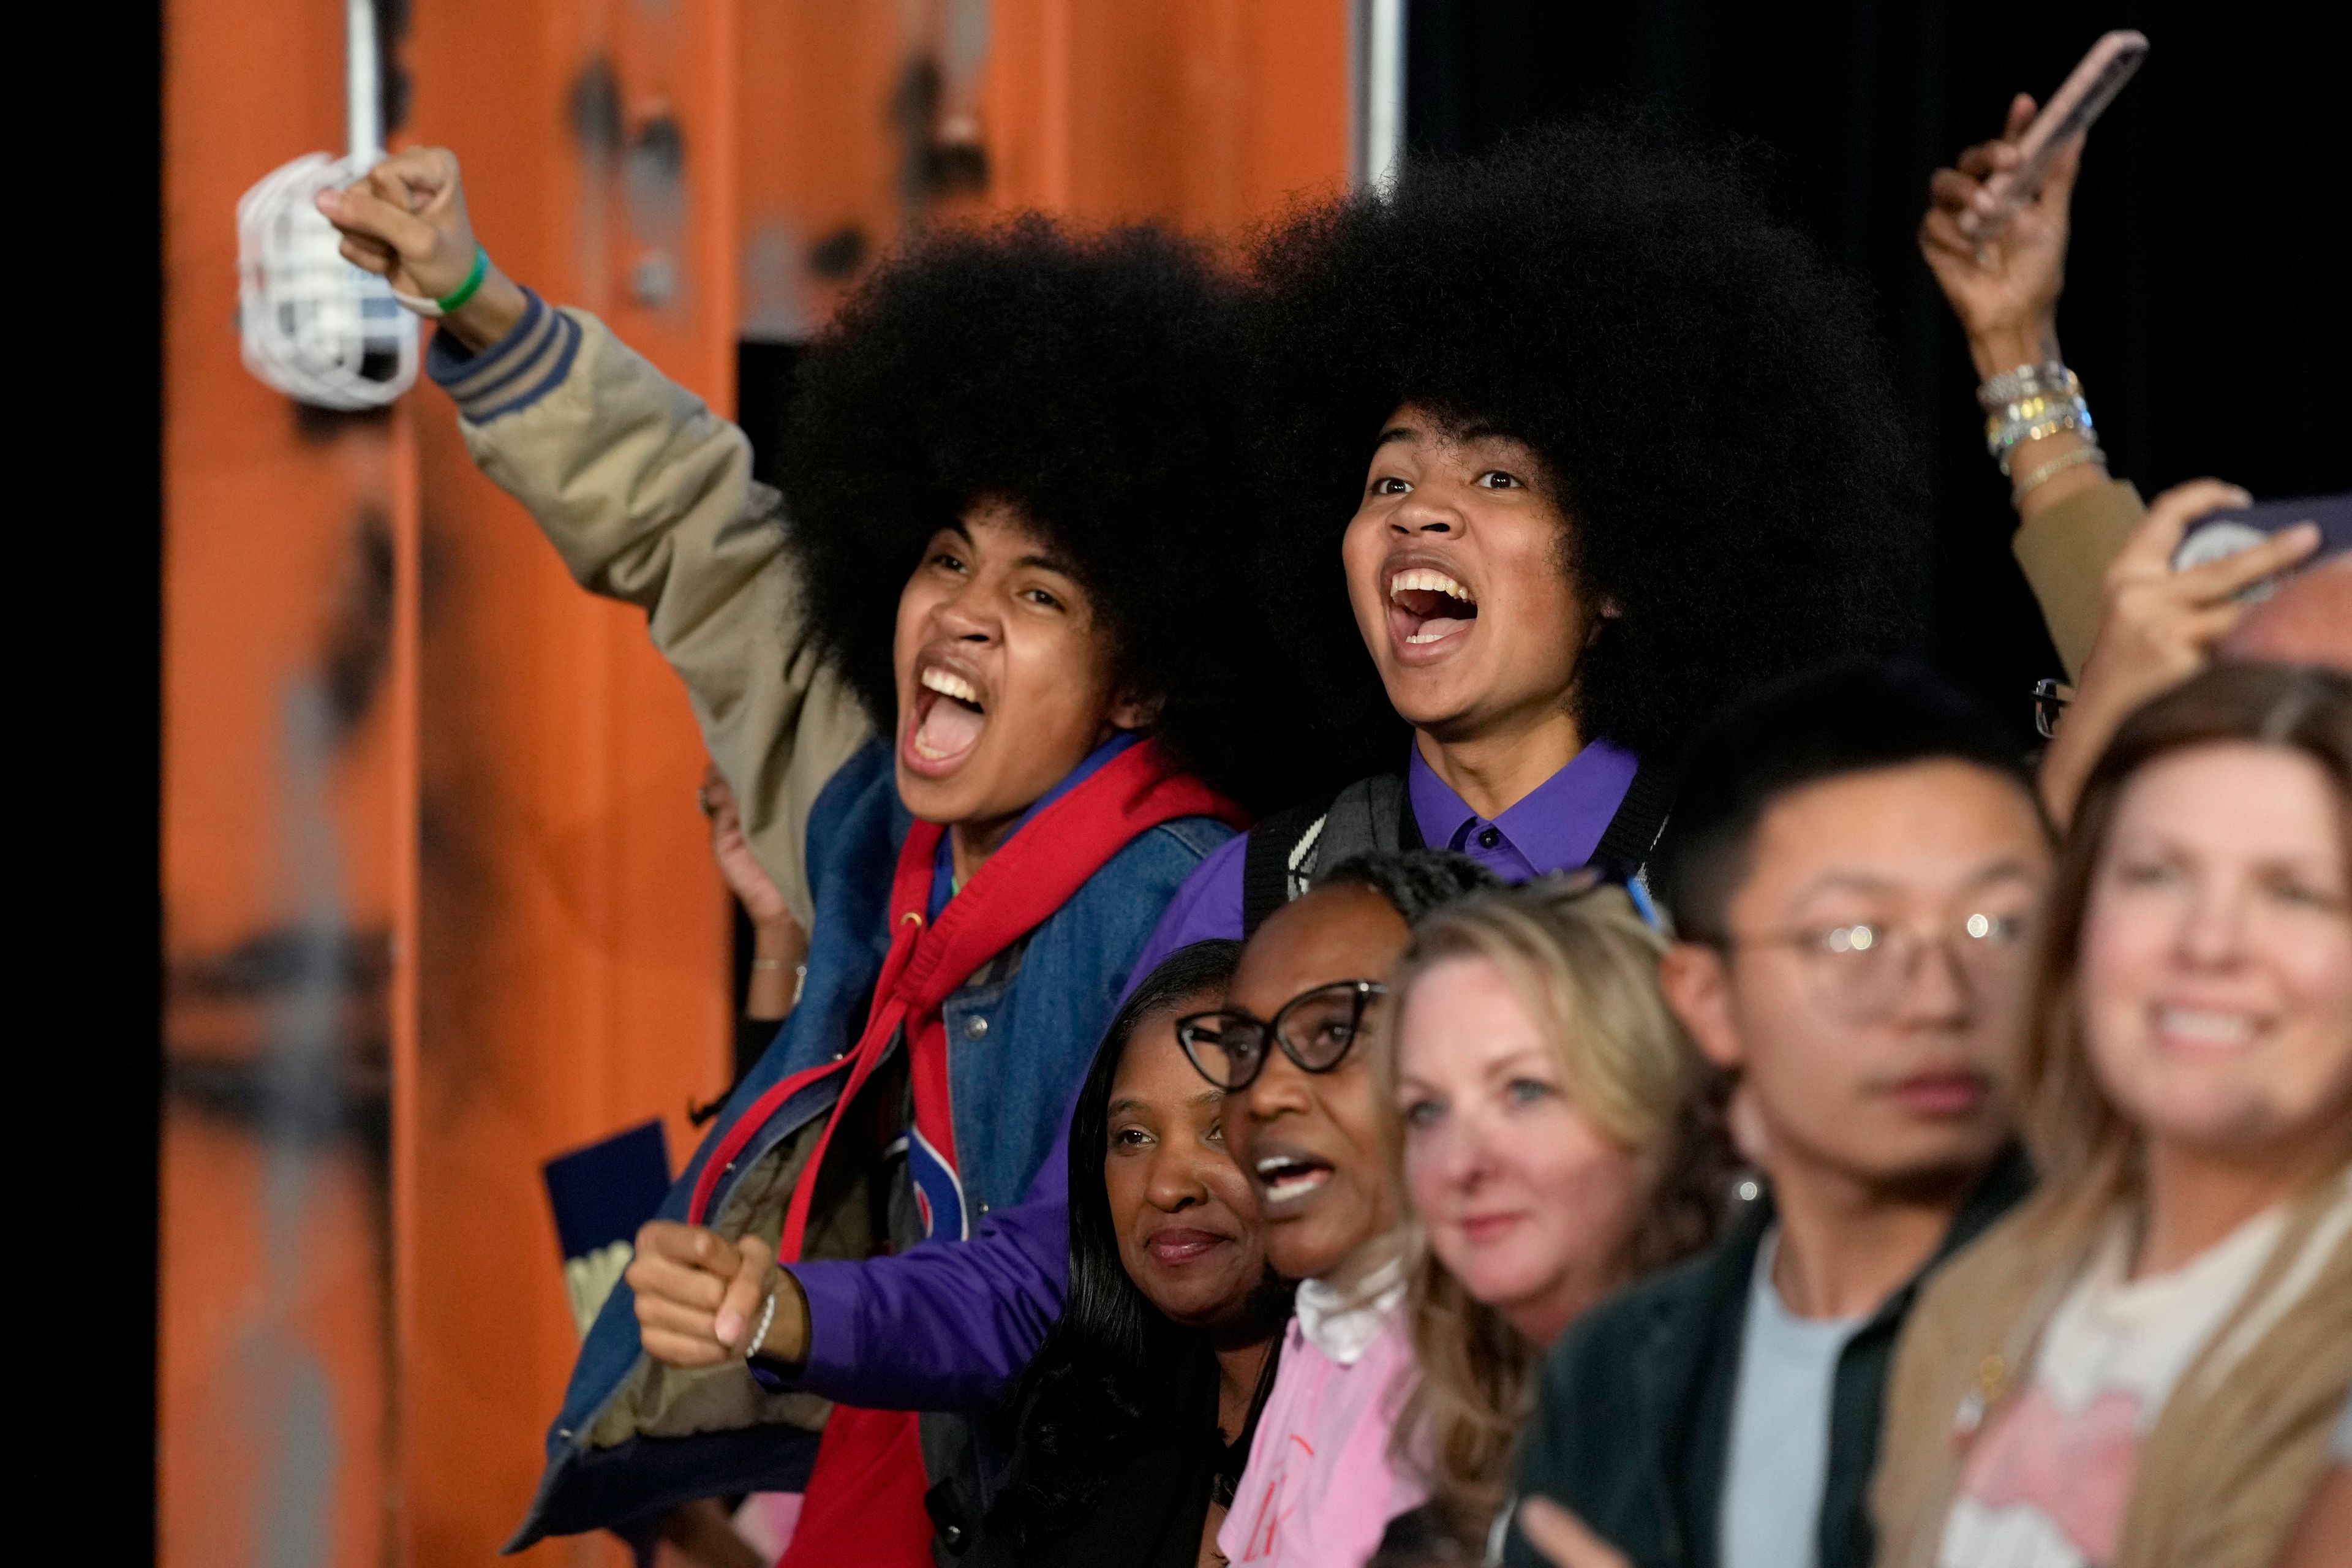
x,y
2140,1369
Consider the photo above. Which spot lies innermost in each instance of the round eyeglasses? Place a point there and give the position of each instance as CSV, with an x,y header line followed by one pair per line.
x,y
1314,1030
1861,972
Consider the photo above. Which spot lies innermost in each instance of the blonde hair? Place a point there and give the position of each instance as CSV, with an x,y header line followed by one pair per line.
x,y
1584,966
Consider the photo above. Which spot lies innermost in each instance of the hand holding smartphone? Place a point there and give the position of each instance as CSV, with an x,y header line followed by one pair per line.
x,y
2218,534
2086,93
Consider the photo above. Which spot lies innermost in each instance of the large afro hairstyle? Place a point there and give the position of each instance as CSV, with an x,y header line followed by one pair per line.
x,y
1703,386
1092,382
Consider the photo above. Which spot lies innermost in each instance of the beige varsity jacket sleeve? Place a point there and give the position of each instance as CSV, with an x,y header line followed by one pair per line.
x,y
2066,550
648,497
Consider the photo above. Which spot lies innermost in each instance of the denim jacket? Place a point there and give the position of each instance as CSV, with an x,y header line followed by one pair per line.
x,y
633,1439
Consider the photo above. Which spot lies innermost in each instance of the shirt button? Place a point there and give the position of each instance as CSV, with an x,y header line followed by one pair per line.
x,y
1489,837
975,1028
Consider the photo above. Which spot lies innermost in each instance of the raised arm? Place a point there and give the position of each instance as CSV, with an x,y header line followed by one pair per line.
x,y
2072,519
645,492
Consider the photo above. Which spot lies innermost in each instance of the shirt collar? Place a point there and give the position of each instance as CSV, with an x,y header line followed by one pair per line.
x,y
1343,1324
1556,827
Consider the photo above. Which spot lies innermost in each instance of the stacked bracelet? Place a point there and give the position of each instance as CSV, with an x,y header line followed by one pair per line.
x,y
2030,403
433,309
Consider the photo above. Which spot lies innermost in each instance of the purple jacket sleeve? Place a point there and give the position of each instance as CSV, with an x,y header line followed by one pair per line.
x,y
948,1325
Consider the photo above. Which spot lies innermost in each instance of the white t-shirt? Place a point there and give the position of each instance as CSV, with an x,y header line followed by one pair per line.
x,y
2047,1483
1780,1456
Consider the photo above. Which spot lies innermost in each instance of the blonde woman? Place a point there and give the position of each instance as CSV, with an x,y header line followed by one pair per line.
x,y
2141,1368
1556,1135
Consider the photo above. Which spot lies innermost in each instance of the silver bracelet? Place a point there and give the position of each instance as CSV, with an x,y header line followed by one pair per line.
x,y
759,1334
2050,380
2086,453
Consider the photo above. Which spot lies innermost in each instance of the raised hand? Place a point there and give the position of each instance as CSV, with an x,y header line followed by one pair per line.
x,y
2003,288
779,943
736,865
406,221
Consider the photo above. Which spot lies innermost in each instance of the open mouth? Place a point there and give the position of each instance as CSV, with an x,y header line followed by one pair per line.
x,y
1426,606
949,720
1284,1179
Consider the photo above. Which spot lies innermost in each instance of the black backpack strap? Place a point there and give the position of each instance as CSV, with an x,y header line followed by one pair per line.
x,y
1287,849
1265,861
1625,844
1408,826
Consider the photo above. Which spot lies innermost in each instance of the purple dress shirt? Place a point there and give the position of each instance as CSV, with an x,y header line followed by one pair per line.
x,y
949,1325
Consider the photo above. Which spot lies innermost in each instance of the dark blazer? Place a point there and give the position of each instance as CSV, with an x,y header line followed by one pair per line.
x,y
1633,1430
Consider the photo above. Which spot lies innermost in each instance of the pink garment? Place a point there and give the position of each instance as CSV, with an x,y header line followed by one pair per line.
x,y
1318,1489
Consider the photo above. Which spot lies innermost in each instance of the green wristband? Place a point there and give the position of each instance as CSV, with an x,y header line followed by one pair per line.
x,y
466,290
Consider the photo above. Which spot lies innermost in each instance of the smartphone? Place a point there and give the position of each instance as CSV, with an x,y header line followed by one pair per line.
x,y
2225,532
2085,94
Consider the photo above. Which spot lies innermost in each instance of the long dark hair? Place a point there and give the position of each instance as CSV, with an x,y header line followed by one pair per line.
x,y
1114,1365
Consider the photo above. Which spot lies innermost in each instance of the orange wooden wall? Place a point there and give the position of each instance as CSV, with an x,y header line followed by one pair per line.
x,y
438,900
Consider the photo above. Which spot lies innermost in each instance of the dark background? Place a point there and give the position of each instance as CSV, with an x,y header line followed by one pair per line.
x,y
2207,315
2206,308
85,515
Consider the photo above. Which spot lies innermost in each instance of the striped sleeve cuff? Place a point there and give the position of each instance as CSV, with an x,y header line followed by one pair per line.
x,y
512,373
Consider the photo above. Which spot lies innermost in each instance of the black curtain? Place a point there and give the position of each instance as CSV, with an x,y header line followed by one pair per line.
x,y
86,511
2206,306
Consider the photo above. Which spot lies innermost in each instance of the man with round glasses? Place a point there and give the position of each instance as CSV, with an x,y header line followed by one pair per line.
x,y
1855,870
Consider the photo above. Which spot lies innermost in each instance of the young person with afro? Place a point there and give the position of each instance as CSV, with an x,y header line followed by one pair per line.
x,y
960,686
